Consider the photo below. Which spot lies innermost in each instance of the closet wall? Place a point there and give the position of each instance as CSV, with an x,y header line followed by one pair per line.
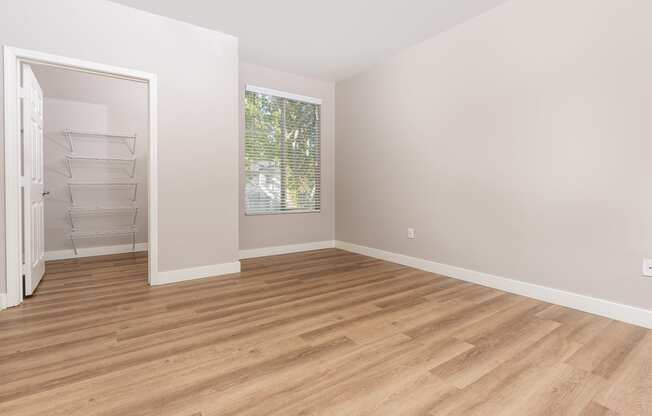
x,y
87,102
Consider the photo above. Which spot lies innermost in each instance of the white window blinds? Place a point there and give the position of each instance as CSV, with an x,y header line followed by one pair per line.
x,y
282,152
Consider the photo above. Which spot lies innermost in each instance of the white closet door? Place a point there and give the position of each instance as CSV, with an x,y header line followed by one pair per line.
x,y
33,204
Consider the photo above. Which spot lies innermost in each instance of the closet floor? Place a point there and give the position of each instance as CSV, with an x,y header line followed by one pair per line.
x,y
318,333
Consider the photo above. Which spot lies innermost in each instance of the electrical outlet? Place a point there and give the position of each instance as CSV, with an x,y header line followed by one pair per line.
x,y
647,267
411,234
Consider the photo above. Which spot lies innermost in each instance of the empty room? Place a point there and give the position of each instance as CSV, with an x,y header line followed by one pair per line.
x,y
353,207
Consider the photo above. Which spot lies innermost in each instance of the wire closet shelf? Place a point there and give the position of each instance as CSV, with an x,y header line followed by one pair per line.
x,y
79,210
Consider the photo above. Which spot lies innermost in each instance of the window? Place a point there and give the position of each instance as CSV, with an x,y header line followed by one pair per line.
x,y
282,152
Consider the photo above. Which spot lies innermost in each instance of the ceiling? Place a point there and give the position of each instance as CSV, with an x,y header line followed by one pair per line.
x,y
332,39
66,84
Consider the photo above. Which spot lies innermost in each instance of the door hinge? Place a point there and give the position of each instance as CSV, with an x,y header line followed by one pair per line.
x,y
22,92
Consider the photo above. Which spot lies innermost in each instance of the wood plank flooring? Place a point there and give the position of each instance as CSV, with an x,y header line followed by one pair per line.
x,y
319,333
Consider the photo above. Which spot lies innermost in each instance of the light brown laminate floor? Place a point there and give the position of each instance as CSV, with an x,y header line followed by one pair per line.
x,y
319,333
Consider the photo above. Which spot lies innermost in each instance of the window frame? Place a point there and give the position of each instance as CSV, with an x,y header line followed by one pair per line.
x,y
289,96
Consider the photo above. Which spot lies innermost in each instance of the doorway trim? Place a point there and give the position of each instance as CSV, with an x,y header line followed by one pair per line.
x,y
13,58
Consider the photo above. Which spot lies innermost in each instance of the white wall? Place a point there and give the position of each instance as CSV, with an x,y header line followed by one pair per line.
x,y
517,144
198,111
59,115
261,231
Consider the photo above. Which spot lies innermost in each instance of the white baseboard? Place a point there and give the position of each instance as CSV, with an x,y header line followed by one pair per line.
x,y
93,251
612,310
3,301
213,270
292,248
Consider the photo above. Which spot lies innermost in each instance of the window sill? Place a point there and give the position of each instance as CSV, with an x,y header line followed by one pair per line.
x,y
257,214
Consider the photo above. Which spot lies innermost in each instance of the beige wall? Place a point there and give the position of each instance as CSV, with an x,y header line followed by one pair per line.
x,y
198,111
259,231
517,144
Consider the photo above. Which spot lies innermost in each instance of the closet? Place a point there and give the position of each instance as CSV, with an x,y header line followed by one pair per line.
x,y
96,163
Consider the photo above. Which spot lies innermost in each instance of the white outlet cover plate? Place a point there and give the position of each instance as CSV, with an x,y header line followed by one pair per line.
x,y
647,267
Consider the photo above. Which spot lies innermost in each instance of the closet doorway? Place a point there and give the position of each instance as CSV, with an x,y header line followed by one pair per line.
x,y
84,182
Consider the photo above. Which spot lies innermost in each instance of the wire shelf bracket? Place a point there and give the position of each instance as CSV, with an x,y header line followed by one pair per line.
x,y
71,157
79,234
129,140
75,212
96,184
